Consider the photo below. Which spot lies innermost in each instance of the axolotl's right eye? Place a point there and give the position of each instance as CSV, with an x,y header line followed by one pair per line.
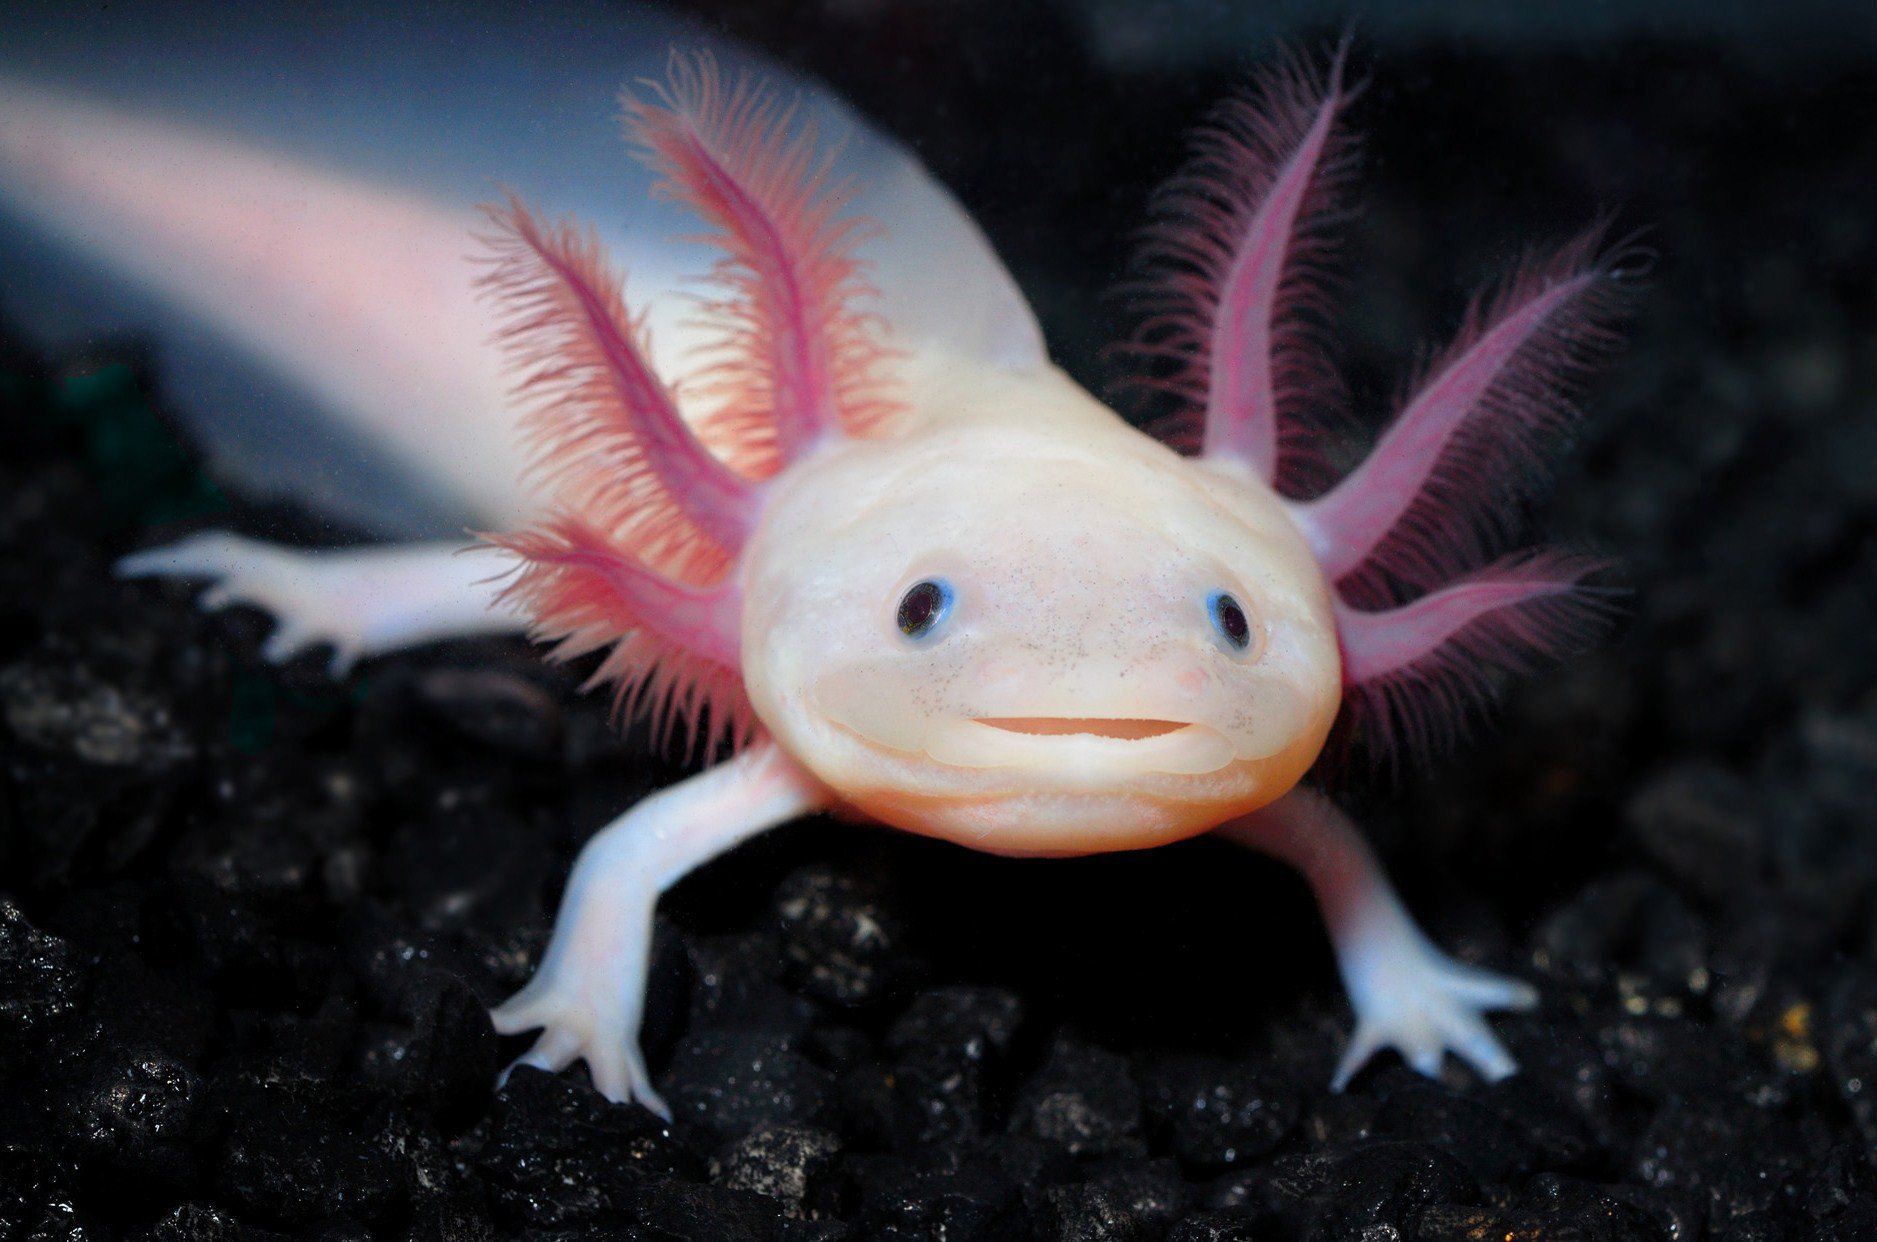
x,y
923,606
1229,619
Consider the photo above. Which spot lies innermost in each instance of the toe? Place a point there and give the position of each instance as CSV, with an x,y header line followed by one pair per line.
x,y
554,1051
1475,1044
1364,1043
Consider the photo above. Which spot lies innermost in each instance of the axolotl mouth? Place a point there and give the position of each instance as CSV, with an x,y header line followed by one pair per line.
x,y
1080,748
1045,785
1098,726
1074,752
976,744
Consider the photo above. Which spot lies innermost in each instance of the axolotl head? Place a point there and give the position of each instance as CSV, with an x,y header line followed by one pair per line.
x,y
1038,636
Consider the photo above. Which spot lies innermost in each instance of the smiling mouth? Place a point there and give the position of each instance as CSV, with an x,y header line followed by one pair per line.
x,y
1080,751
1094,726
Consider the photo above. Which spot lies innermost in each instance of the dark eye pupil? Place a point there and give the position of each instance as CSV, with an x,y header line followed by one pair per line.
x,y
919,608
1231,621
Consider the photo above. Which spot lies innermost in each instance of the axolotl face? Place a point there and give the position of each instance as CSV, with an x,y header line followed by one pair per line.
x,y
1038,643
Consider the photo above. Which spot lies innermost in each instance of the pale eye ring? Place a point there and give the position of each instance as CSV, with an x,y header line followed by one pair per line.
x,y
1229,619
923,607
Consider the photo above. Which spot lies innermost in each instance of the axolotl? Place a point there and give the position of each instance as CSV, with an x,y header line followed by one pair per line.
x,y
915,574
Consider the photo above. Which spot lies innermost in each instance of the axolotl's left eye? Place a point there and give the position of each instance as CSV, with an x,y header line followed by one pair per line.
x,y
1229,619
923,606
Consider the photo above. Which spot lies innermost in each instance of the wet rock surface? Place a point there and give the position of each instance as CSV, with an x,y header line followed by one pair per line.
x,y
250,916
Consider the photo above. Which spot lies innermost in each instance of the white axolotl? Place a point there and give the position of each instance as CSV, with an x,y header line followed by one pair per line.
x,y
869,535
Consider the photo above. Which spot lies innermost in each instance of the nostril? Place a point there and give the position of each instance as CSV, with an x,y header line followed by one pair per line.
x,y
1193,681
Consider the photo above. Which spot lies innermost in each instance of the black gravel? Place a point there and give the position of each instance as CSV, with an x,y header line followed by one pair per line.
x,y
251,916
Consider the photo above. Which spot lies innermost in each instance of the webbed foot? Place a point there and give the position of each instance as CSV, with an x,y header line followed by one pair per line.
x,y
1411,997
586,997
286,583
589,1017
360,601
1407,994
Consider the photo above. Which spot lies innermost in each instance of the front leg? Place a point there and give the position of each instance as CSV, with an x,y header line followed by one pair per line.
x,y
588,994
1407,994
363,601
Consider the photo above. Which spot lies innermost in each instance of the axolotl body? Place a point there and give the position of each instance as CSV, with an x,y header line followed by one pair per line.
x,y
946,589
